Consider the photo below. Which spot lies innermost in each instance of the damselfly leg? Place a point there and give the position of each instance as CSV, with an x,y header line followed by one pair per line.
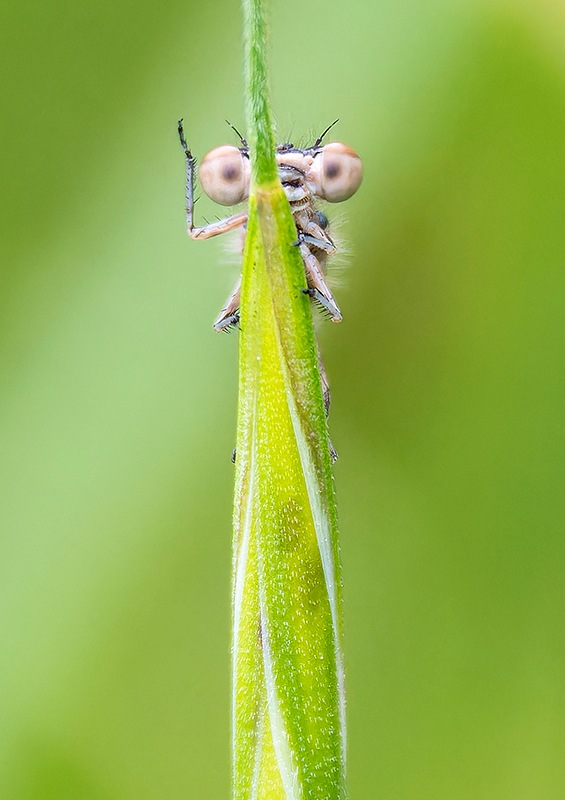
x,y
229,315
214,228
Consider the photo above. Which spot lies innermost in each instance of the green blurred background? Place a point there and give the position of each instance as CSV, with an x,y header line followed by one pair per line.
x,y
118,404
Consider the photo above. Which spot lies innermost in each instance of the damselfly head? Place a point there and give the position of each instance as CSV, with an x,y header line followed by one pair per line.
x,y
332,172
335,173
225,174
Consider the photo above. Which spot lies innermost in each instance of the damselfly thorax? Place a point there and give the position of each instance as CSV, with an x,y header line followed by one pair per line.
x,y
330,172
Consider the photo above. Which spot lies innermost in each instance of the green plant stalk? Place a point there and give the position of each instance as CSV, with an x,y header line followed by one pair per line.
x,y
288,692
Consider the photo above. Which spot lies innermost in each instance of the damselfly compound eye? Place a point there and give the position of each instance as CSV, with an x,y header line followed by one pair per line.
x,y
336,172
224,175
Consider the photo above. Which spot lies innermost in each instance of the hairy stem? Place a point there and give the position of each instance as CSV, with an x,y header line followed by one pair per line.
x,y
288,694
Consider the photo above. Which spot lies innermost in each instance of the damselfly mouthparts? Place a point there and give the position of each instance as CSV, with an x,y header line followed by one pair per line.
x,y
330,172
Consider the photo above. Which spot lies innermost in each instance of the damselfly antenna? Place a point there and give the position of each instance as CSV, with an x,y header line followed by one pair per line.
x,y
241,138
318,141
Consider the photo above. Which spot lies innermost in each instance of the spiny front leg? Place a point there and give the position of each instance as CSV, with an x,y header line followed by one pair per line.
x,y
190,165
214,228
220,226
318,289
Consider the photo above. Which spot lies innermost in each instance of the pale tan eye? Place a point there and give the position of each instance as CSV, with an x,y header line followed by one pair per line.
x,y
336,172
224,175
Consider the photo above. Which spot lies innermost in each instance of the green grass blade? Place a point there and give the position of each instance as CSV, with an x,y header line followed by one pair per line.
x,y
288,694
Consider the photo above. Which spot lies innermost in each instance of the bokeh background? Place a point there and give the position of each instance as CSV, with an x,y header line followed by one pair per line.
x,y
118,402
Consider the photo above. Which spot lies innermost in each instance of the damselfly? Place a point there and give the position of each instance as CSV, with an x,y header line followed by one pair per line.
x,y
330,172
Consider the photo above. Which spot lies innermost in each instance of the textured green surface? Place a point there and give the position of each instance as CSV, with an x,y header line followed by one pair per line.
x,y
288,672
288,683
117,415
